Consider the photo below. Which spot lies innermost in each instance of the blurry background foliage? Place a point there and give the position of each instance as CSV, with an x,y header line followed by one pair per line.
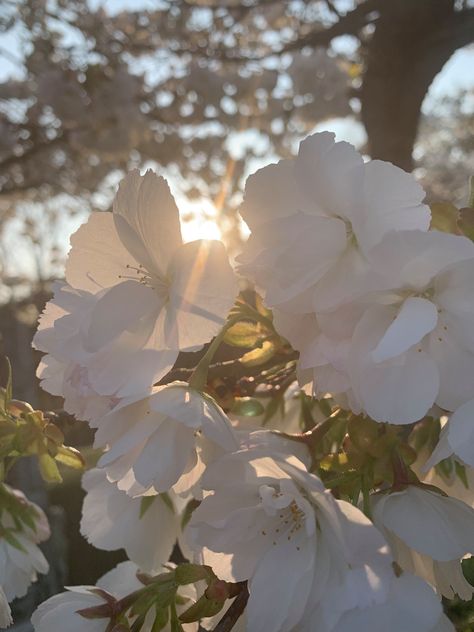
x,y
205,91
208,91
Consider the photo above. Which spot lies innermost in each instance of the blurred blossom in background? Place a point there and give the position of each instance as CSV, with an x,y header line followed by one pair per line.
x,y
207,92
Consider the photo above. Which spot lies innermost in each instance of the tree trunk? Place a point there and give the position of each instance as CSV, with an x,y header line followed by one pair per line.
x,y
410,45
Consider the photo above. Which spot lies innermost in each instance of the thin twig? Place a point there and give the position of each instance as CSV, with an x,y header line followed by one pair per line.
x,y
234,612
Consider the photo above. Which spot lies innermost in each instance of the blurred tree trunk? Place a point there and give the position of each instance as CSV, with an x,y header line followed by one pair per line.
x,y
412,41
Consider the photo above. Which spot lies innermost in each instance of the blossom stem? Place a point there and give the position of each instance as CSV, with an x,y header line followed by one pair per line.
x,y
401,477
313,437
198,379
365,488
235,610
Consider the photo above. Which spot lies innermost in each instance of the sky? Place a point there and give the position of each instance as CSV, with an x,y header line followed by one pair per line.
x,y
457,74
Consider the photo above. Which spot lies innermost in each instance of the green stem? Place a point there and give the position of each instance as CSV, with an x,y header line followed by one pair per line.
x,y
198,379
343,479
365,488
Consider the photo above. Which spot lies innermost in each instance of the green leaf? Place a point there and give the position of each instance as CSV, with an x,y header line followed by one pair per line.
x,y
11,539
54,433
70,457
247,407
167,500
466,222
48,468
461,473
275,405
264,311
192,573
161,596
444,217
245,334
470,200
175,625
445,468
161,620
188,512
8,390
145,504
259,356
203,607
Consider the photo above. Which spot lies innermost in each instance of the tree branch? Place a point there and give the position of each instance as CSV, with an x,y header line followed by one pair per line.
x,y
234,612
457,32
233,369
349,24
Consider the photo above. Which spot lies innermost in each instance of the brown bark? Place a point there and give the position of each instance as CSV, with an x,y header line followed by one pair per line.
x,y
411,43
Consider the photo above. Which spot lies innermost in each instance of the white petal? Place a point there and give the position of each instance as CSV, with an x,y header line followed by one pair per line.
x,y
147,220
272,591
130,365
121,580
329,174
460,432
442,451
416,318
60,612
97,258
299,329
413,257
398,390
203,289
412,606
434,525
112,520
391,201
287,256
164,457
5,612
351,279
270,193
455,364
443,625
121,308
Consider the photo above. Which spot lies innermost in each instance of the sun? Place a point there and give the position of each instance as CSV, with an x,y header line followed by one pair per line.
x,y
198,220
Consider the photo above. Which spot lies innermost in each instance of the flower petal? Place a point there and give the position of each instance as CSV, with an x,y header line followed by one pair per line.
x,y
119,309
270,193
461,432
416,318
391,201
329,174
147,219
98,258
203,289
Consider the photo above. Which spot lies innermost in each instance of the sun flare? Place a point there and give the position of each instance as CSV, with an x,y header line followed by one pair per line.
x,y
198,220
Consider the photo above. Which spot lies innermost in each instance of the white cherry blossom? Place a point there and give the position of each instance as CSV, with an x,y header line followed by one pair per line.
x,y
452,484
163,441
457,437
314,220
67,369
429,534
265,516
399,351
147,528
61,611
411,606
20,557
414,349
5,612
156,295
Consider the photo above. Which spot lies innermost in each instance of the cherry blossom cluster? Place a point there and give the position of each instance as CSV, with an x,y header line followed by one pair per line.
x,y
313,494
